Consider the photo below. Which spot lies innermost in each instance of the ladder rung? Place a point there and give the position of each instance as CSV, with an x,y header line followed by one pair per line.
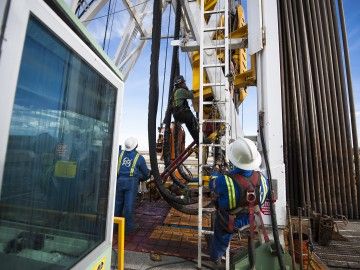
x,y
212,144
212,29
212,47
213,84
214,121
213,102
207,232
209,210
206,165
214,11
214,65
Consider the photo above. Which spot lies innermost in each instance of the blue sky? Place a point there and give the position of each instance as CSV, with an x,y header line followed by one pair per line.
x,y
135,110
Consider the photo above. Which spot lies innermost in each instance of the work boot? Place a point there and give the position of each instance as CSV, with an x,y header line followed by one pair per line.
x,y
215,265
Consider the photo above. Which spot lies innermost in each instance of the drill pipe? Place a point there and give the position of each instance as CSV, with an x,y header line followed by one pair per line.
x,y
346,113
315,143
324,119
344,153
339,146
325,185
301,89
295,102
351,99
336,200
343,117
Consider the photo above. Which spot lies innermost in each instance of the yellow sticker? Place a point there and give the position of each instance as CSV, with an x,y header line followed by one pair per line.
x,y
100,265
65,169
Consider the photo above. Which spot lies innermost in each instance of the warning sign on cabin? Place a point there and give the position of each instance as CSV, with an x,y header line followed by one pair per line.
x,y
265,208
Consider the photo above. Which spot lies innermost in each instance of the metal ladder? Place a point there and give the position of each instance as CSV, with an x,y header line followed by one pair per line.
x,y
225,101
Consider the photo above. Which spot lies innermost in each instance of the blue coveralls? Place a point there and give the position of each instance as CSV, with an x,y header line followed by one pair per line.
x,y
131,169
219,186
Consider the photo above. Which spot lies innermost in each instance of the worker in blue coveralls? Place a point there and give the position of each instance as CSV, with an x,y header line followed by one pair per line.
x,y
229,193
132,169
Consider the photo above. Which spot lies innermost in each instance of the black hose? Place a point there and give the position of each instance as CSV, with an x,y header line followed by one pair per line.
x,y
279,251
176,202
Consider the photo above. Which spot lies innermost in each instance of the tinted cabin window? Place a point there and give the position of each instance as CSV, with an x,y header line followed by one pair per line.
x,y
53,202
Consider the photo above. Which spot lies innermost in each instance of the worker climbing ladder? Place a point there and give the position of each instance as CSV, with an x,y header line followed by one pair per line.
x,y
222,104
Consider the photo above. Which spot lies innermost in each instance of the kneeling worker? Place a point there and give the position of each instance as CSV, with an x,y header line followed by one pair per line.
x,y
231,195
131,170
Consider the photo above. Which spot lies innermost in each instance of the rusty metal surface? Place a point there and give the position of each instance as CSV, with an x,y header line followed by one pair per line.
x,y
178,218
344,251
168,232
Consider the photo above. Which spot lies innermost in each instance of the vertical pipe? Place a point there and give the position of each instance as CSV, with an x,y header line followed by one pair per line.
x,y
340,65
291,237
314,131
323,100
351,97
339,98
300,238
336,199
296,102
304,107
339,146
321,120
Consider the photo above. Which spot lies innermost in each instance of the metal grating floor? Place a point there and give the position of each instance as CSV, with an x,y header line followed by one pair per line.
x,y
168,232
344,251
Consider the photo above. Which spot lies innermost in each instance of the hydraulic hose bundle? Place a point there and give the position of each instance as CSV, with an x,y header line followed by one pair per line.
x,y
320,141
185,203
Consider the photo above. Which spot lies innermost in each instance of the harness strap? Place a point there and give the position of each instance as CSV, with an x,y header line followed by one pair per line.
x,y
248,184
134,164
119,160
252,219
262,226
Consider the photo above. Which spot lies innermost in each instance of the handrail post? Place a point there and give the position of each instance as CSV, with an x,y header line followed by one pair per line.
x,y
121,241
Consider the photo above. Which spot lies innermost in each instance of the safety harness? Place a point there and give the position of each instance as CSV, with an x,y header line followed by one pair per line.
x,y
132,165
249,203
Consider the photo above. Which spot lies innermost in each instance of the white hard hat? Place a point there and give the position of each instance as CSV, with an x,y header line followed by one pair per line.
x,y
243,154
131,143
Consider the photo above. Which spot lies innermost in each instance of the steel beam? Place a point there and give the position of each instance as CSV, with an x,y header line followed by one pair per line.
x,y
135,16
269,102
192,45
92,11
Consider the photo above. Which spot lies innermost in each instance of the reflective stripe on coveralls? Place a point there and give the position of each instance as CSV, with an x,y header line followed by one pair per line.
x,y
133,165
119,160
231,192
263,189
